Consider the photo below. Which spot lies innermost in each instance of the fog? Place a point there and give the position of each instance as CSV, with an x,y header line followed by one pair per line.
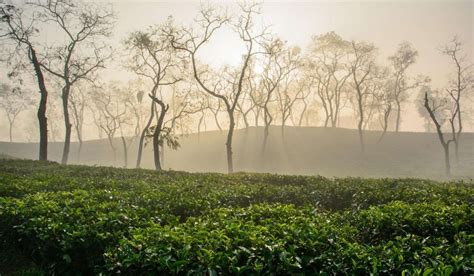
x,y
311,87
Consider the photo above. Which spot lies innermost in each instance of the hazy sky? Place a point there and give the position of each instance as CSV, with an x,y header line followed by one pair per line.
x,y
426,24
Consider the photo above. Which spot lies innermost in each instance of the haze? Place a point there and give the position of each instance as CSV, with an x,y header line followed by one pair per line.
x,y
313,139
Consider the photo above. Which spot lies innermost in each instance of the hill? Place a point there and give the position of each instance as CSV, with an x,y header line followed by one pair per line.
x,y
301,150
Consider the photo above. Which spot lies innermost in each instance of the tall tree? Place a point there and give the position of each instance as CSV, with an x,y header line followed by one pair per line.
x,y
152,58
362,68
111,107
460,85
82,25
20,27
229,87
280,61
440,110
404,57
327,63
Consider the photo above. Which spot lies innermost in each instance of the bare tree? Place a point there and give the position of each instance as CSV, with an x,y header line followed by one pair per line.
x,y
279,63
20,27
385,101
152,59
112,112
226,91
13,101
327,64
81,55
362,69
288,93
401,61
438,108
459,86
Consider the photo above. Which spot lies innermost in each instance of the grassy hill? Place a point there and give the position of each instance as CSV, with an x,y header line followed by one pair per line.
x,y
302,150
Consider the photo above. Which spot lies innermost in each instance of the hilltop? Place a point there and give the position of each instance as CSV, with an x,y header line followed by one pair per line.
x,y
304,150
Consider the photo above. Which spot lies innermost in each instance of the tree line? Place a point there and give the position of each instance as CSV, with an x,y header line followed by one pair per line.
x,y
175,92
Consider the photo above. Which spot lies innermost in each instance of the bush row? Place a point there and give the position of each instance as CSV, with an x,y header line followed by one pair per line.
x,y
283,239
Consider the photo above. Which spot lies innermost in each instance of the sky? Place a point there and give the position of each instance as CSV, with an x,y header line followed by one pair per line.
x,y
428,25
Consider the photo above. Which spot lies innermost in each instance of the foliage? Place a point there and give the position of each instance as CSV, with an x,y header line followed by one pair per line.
x,y
69,219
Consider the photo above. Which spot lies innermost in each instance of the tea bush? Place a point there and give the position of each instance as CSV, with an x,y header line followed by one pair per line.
x,y
89,220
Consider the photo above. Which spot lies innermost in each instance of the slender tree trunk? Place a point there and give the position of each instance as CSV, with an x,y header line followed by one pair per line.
x,y
112,146
397,125
79,138
217,121
267,118
386,116
79,150
266,131
67,124
142,136
125,152
360,99
42,119
300,122
257,117
447,162
458,136
10,132
230,134
156,137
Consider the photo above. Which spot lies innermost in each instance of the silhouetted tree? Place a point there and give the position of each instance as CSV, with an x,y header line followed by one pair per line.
x,y
439,111
152,58
362,68
280,61
82,54
20,27
400,62
459,86
229,86
327,64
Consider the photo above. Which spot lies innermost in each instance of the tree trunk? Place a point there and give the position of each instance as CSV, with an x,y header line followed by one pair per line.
x,y
230,134
397,125
386,116
67,124
114,151
156,137
142,136
42,119
458,136
267,118
361,120
265,138
79,138
125,152
79,150
10,132
447,163
305,106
